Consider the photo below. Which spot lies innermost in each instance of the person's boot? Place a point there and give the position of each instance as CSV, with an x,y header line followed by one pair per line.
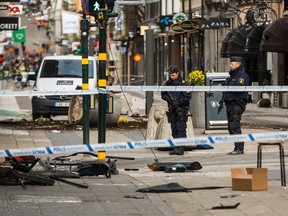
x,y
235,152
177,151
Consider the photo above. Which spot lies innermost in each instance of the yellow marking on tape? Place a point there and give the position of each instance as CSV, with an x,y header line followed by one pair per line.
x,y
102,83
102,57
85,86
84,60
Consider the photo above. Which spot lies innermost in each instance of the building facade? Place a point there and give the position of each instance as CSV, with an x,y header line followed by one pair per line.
x,y
217,29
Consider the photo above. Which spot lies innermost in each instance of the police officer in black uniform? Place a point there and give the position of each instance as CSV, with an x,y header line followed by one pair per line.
x,y
236,101
178,106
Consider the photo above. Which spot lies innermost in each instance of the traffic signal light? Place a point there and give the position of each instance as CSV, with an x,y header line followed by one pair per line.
x,y
95,6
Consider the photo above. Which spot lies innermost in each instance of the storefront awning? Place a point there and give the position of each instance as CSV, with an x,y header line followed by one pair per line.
x,y
235,41
275,37
254,39
242,40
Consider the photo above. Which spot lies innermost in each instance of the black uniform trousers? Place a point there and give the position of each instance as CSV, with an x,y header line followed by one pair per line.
x,y
234,112
178,123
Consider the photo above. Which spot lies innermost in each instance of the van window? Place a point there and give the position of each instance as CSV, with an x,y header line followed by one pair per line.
x,y
64,68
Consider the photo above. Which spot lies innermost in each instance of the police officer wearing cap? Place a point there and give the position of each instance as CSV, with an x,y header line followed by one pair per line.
x,y
178,106
236,101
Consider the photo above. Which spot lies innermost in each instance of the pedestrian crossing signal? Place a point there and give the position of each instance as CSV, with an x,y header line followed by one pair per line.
x,y
95,6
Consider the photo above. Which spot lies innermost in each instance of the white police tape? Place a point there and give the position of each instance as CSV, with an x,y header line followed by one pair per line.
x,y
148,88
199,88
47,93
257,137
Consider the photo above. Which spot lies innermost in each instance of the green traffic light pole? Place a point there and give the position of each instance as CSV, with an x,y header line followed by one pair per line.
x,y
99,11
102,83
103,17
85,84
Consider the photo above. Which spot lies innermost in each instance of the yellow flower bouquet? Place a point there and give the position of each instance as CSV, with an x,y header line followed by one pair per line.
x,y
196,78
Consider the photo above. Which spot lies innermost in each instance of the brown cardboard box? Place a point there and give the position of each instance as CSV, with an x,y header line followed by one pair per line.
x,y
249,179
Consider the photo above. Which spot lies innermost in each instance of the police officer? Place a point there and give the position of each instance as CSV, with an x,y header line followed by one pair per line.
x,y
236,101
178,106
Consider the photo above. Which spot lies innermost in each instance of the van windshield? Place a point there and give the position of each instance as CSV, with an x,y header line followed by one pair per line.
x,y
64,68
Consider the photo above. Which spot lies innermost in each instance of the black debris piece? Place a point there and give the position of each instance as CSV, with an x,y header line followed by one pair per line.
x,y
226,206
174,187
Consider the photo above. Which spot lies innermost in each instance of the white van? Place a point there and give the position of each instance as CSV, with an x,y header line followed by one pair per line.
x,y
60,73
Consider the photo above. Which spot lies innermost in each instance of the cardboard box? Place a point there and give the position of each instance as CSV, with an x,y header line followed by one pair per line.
x,y
249,179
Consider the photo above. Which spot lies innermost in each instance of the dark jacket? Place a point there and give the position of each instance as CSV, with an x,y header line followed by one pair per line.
x,y
182,98
238,77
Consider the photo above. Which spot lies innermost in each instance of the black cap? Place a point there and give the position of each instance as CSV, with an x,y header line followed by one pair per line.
x,y
235,59
173,69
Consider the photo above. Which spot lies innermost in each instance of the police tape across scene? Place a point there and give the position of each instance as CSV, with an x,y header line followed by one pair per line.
x,y
256,137
199,88
148,88
41,93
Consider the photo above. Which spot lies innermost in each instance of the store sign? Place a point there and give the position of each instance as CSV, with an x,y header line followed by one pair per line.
x,y
15,9
176,28
179,17
187,25
9,23
220,22
215,23
4,7
166,21
70,22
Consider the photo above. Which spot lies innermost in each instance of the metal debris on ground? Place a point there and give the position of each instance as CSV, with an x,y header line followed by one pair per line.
x,y
170,166
90,167
134,197
175,187
231,196
131,169
16,171
226,206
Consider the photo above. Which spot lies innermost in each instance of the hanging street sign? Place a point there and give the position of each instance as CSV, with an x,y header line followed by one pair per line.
x,y
9,23
19,36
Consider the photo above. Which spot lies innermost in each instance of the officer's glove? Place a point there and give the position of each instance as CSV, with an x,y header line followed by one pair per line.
x,y
221,104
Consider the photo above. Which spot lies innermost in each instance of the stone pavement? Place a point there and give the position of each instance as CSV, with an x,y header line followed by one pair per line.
x,y
118,196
